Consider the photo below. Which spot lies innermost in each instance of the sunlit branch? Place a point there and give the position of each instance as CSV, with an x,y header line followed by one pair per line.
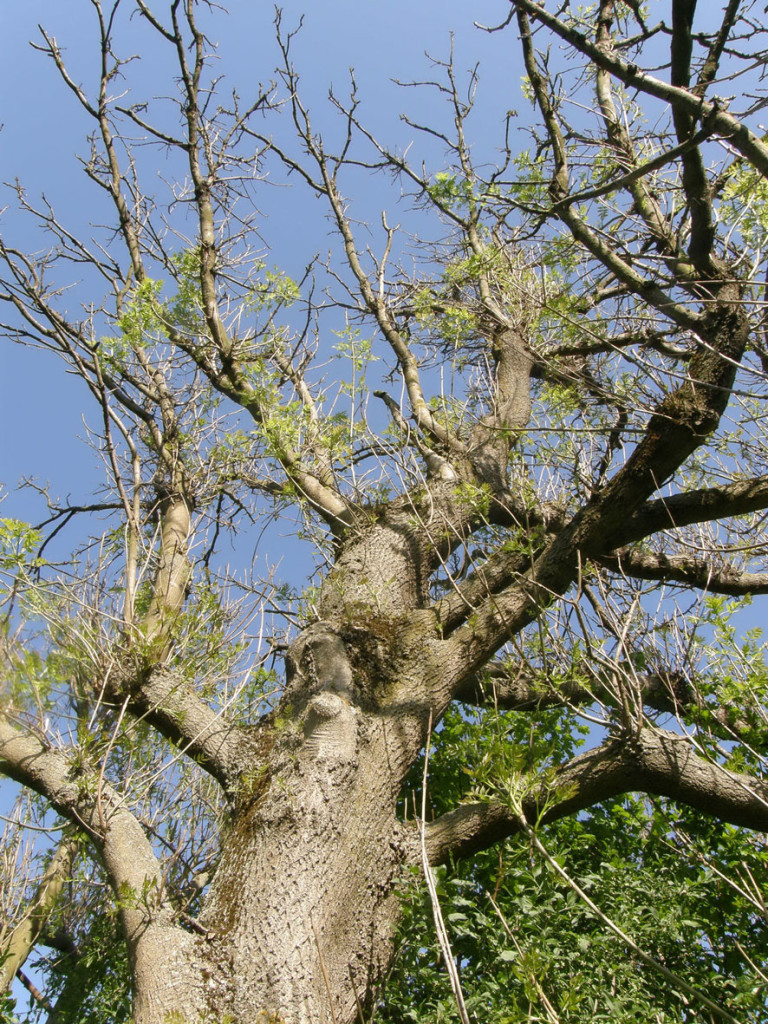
x,y
697,506
712,113
692,572
647,204
17,946
99,112
656,762
327,184
81,795
694,176
601,249
165,699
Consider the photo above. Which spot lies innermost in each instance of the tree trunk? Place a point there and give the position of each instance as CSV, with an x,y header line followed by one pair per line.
x,y
299,922
303,907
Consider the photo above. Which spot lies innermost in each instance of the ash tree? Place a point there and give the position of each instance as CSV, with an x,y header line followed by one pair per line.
x,y
516,420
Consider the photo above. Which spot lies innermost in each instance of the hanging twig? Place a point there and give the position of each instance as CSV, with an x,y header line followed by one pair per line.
x,y
325,973
552,1013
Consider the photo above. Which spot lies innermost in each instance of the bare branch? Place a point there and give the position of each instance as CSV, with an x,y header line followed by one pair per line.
x,y
693,572
712,113
81,795
22,939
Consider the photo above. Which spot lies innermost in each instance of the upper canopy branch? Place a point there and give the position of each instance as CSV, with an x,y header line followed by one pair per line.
x,y
697,506
694,572
325,180
208,147
712,113
108,175
636,180
694,178
593,240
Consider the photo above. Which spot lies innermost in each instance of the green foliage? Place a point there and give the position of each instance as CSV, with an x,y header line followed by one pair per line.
x,y
450,191
7,1003
354,349
745,204
455,323
273,290
185,310
8,1009
140,326
532,178
140,322
94,987
18,543
477,498
205,635
734,676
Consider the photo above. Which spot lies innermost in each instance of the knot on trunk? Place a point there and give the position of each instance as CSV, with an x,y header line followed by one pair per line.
x,y
330,728
318,661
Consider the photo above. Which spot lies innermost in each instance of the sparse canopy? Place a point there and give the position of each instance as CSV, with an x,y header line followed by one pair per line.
x,y
518,420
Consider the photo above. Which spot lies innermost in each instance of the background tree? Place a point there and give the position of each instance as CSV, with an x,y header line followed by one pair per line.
x,y
530,492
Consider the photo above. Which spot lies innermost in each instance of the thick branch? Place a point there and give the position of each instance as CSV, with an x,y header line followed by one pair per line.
x,y
497,686
166,701
695,182
693,572
593,242
82,796
682,422
656,762
492,437
699,506
712,113
667,692
501,570
170,585
24,937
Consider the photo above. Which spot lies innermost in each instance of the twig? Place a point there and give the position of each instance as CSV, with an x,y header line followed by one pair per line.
x,y
325,973
442,933
33,990
551,1011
